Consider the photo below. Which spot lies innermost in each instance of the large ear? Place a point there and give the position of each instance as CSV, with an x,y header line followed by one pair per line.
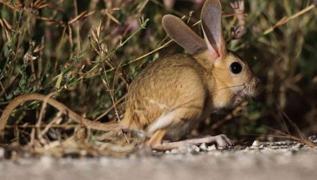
x,y
212,28
177,30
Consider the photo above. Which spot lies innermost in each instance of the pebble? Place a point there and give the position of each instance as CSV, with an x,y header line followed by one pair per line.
x,y
287,147
203,147
167,152
195,149
255,143
211,148
175,151
1,153
297,145
313,138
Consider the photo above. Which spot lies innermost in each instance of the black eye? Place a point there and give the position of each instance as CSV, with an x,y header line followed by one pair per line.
x,y
235,68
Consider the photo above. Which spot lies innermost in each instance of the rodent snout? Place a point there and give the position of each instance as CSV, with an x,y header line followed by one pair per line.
x,y
257,82
254,86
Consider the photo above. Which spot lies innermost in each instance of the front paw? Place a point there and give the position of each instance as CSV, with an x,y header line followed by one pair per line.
x,y
222,141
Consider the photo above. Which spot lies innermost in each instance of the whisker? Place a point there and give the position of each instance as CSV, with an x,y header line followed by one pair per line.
x,y
230,87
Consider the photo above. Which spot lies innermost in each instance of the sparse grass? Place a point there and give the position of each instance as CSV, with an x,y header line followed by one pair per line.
x,y
87,53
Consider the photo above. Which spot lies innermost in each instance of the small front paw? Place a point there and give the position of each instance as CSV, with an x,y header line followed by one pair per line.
x,y
222,141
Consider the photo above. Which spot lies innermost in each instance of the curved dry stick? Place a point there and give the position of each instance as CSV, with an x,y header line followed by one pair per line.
x,y
111,126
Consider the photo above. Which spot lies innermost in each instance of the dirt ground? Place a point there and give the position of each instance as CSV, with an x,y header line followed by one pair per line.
x,y
259,161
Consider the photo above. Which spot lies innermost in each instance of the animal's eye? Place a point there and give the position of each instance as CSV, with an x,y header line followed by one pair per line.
x,y
235,68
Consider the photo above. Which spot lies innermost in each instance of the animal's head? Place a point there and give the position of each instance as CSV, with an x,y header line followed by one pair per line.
x,y
232,78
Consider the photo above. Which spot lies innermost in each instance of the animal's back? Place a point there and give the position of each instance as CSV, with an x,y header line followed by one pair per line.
x,y
165,85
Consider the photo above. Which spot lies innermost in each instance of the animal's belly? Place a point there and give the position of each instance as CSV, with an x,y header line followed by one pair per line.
x,y
180,130
185,127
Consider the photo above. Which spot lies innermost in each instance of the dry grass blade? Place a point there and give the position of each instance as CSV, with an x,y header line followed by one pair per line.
x,y
40,4
40,119
108,13
7,28
285,20
234,113
110,109
81,16
16,5
45,126
5,24
50,20
149,53
297,139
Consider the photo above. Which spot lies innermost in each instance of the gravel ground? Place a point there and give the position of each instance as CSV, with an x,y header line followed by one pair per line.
x,y
279,160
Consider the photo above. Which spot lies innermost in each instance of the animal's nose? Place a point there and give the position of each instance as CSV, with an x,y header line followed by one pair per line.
x,y
257,82
256,85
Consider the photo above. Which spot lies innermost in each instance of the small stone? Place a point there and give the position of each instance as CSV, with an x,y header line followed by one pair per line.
x,y
281,143
313,138
195,148
255,143
174,151
203,147
1,153
211,148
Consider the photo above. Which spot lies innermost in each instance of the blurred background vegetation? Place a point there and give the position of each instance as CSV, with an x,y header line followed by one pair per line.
x,y
87,53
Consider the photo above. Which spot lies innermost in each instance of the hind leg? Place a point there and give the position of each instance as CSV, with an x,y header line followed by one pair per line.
x,y
159,128
156,138
221,141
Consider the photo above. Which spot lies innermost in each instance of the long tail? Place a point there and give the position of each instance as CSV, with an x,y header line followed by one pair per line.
x,y
61,107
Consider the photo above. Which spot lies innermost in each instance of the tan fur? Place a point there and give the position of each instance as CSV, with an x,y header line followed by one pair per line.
x,y
166,85
173,94
190,87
